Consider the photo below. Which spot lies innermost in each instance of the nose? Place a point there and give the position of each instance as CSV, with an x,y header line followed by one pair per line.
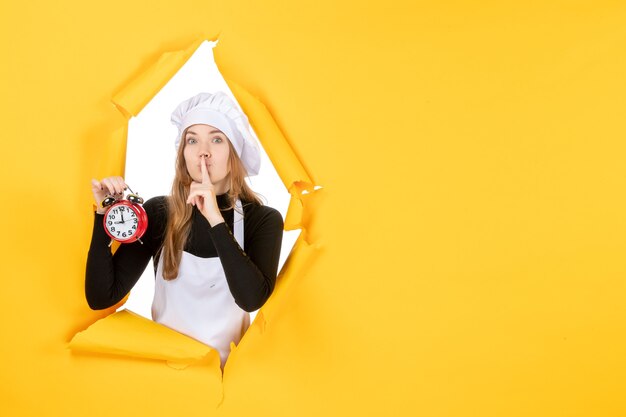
x,y
205,152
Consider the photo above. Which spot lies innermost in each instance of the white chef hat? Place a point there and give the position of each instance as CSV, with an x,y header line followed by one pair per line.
x,y
220,111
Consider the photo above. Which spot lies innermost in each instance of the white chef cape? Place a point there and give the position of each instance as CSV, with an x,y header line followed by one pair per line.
x,y
198,303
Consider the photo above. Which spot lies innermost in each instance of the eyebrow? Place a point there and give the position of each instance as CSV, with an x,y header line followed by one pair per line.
x,y
210,133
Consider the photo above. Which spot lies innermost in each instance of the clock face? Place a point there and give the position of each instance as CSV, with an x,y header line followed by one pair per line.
x,y
121,221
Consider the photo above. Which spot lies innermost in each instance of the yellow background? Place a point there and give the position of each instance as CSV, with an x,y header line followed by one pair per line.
x,y
470,228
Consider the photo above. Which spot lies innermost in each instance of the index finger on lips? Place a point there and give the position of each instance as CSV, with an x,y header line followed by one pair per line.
x,y
205,173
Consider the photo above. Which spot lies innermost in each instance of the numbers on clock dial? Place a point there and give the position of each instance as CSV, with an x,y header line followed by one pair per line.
x,y
122,222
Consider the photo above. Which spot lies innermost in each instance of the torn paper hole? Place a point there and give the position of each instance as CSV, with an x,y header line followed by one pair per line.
x,y
144,95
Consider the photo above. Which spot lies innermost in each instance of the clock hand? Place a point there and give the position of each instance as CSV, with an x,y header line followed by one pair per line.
x,y
123,221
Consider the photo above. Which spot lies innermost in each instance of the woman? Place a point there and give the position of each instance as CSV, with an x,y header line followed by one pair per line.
x,y
214,245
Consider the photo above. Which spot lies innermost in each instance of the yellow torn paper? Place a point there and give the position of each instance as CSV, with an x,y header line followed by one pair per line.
x,y
136,94
471,228
287,165
128,334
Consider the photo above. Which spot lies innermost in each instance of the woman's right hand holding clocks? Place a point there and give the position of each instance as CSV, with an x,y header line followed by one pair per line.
x,y
113,186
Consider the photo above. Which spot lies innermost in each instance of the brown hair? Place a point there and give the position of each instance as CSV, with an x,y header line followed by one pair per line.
x,y
179,212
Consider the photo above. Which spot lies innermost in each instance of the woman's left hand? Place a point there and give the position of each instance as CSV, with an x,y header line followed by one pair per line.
x,y
202,195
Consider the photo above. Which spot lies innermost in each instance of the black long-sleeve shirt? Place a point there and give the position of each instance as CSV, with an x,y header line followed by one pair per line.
x,y
251,274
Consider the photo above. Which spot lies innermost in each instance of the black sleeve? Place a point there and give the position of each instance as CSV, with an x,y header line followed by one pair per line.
x,y
251,275
108,277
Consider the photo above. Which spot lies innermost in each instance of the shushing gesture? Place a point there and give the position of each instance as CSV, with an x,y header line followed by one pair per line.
x,y
203,196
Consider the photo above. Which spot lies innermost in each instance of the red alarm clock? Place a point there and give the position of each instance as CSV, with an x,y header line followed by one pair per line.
x,y
125,220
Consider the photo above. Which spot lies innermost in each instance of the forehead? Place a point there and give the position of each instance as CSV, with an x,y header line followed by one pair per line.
x,y
202,129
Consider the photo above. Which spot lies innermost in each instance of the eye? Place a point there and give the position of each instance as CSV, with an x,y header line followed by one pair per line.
x,y
218,139
191,140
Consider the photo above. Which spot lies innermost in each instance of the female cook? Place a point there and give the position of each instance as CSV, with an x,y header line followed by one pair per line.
x,y
215,246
